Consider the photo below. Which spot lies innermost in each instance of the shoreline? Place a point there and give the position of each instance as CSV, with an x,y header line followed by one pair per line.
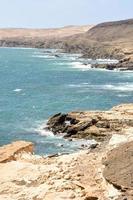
x,y
125,64
105,40
95,173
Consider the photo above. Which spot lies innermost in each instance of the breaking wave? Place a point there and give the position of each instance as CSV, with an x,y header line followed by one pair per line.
x,y
124,87
43,130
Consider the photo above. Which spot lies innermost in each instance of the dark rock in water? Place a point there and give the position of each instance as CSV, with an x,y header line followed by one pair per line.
x,y
91,125
110,66
123,65
57,123
62,123
60,145
57,56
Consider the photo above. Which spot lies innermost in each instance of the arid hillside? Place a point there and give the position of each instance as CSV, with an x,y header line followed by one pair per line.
x,y
112,31
37,37
107,40
43,33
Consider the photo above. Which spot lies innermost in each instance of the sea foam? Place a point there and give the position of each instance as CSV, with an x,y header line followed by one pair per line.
x,y
17,90
43,130
124,87
79,65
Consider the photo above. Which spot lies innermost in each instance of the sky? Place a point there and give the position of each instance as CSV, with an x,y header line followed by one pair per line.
x,y
59,13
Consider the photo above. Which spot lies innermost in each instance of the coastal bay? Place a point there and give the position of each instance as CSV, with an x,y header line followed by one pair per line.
x,y
107,40
36,85
66,112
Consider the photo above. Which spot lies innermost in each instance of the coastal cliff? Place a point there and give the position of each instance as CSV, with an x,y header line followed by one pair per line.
x,y
110,40
101,172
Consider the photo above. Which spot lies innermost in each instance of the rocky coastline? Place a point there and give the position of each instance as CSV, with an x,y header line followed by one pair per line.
x,y
98,125
102,172
125,64
110,40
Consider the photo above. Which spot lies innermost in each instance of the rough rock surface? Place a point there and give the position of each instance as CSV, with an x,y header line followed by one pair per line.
x,y
102,173
14,149
123,65
119,168
99,125
75,176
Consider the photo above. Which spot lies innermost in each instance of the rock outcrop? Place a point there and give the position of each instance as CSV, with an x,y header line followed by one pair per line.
x,y
105,40
102,173
76,176
93,124
8,152
123,65
119,168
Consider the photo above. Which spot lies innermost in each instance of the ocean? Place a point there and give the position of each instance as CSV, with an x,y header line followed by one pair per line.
x,y
35,84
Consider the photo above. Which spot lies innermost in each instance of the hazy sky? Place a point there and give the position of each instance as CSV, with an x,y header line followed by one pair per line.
x,y
56,13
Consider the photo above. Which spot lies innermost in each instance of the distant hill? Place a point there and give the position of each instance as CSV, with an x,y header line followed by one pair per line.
x,y
105,40
43,33
110,39
30,37
111,31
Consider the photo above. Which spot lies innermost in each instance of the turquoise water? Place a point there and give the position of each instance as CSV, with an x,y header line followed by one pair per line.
x,y
35,85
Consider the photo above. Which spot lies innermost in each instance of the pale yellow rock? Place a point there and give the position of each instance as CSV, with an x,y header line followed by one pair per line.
x,y
31,177
8,152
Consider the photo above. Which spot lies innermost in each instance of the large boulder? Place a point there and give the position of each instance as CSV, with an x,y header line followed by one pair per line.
x,y
119,167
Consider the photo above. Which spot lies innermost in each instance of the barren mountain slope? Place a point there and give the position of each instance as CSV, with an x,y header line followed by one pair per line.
x,y
43,33
105,40
110,39
112,31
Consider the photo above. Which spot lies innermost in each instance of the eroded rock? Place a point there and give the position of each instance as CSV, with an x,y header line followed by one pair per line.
x,y
119,167
8,152
98,125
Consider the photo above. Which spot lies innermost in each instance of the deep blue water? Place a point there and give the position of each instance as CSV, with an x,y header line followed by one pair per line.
x,y
34,86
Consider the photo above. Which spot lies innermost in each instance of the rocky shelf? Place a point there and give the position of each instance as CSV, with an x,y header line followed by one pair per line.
x,y
98,125
100,173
